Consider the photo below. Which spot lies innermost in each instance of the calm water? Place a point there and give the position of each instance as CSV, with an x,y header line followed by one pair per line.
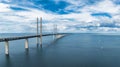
x,y
73,50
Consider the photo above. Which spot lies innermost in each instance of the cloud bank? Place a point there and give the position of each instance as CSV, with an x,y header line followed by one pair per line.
x,y
69,15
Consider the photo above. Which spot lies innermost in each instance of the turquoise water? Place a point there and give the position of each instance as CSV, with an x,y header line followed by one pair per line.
x,y
73,50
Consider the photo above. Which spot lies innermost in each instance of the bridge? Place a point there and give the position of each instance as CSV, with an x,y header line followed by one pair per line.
x,y
37,36
26,37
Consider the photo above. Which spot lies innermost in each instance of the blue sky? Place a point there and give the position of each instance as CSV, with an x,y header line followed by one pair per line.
x,y
18,16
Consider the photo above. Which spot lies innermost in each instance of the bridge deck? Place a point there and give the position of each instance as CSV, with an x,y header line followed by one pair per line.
x,y
22,37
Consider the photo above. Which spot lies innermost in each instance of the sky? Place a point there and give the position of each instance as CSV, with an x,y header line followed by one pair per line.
x,y
79,16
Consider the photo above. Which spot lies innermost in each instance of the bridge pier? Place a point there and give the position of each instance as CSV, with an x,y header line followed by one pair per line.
x,y
59,36
6,47
26,43
6,40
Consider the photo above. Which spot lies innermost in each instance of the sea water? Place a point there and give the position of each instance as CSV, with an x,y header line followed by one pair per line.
x,y
73,50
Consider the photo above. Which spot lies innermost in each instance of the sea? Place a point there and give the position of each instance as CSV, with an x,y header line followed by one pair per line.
x,y
72,50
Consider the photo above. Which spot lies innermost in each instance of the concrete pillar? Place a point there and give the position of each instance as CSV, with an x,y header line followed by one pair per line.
x,y
26,44
53,35
6,47
55,31
41,32
59,36
37,40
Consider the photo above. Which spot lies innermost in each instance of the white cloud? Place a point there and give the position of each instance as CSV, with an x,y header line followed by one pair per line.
x,y
19,19
25,21
103,6
4,7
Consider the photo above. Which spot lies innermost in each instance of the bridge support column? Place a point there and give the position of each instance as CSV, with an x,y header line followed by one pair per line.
x,y
59,36
41,32
6,47
37,38
41,41
55,32
26,44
